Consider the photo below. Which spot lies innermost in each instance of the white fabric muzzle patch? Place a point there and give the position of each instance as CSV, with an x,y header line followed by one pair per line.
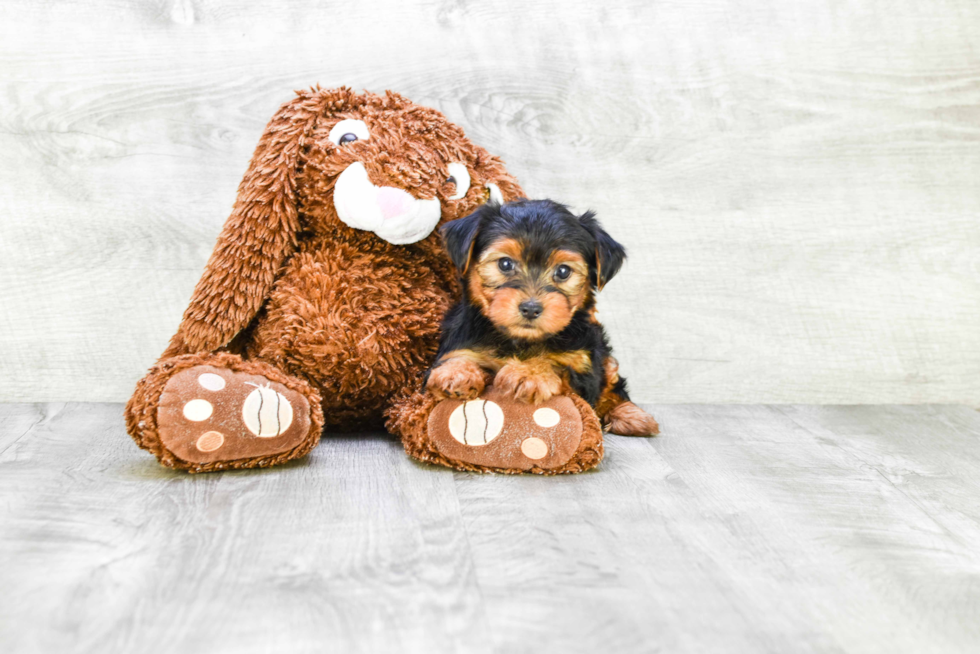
x,y
393,214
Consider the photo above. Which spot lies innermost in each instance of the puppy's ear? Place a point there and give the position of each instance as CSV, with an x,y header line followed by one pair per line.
x,y
460,235
609,254
260,233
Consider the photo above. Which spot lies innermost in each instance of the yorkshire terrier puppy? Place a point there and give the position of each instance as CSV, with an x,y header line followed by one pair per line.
x,y
527,320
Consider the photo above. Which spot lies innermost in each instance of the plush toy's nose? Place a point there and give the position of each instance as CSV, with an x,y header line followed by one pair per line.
x,y
393,201
530,309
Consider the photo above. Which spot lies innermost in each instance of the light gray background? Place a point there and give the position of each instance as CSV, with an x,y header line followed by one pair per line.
x,y
798,182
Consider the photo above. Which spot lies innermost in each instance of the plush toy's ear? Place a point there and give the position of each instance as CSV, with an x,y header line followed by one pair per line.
x,y
257,237
609,254
460,235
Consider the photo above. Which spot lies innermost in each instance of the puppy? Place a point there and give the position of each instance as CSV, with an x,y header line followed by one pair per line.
x,y
527,319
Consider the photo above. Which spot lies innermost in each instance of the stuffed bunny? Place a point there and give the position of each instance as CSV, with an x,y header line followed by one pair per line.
x,y
321,303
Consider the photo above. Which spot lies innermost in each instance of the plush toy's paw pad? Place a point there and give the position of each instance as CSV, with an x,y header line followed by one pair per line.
x,y
209,414
501,432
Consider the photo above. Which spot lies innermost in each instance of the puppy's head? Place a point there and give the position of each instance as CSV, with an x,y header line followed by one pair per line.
x,y
530,265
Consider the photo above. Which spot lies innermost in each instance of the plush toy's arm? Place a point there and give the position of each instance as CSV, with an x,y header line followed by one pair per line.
x,y
257,238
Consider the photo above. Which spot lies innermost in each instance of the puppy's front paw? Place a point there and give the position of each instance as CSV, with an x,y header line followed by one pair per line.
x,y
456,379
529,383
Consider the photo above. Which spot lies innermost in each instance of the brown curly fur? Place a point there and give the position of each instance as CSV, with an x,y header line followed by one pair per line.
x,y
291,285
410,419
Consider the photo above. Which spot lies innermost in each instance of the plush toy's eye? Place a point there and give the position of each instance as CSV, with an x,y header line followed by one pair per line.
x,y
506,264
459,176
348,131
562,272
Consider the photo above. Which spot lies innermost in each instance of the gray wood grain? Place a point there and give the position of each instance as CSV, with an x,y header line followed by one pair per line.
x,y
107,551
796,181
741,529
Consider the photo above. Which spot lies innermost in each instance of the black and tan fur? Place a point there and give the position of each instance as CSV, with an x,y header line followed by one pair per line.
x,y
526,322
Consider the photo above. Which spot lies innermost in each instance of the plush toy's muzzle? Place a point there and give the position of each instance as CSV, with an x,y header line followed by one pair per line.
x,y
393,214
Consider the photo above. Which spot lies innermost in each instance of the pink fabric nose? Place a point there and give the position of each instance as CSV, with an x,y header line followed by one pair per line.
x,y
393,201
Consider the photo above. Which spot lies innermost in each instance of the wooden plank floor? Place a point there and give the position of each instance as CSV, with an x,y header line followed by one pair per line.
x,y
742,529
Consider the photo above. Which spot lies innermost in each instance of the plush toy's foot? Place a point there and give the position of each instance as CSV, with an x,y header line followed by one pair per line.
x,y
225,413
210,414
497,433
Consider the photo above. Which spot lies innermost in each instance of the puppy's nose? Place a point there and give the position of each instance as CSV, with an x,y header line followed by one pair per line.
x,y
530,309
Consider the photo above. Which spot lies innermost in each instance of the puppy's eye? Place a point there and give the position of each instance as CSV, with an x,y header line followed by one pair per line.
x,y
506,264
459,176
562,272
348,131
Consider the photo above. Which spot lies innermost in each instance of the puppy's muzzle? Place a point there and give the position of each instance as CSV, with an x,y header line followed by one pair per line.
x,y
393,214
